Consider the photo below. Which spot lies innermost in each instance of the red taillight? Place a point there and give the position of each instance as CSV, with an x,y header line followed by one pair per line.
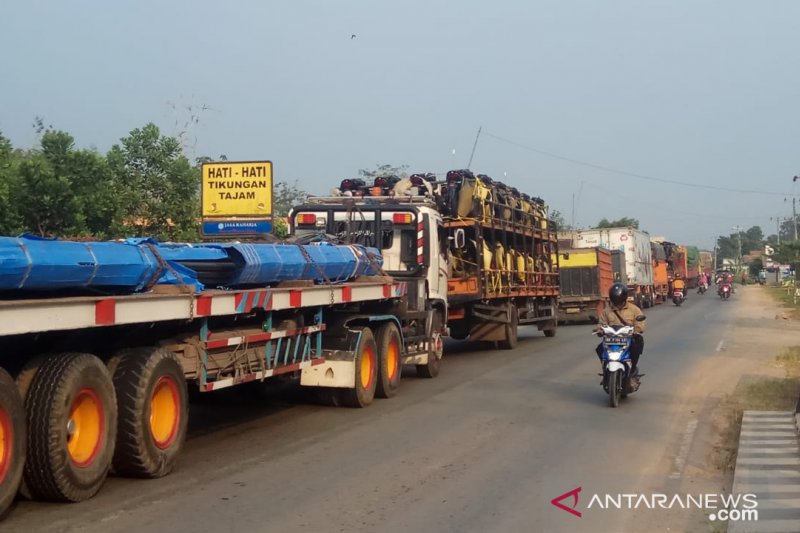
x,y
402,218
306,218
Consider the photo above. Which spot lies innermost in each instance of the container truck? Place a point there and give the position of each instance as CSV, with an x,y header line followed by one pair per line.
x,y
660,273
635,245
585,275
493,271
504,260
693,267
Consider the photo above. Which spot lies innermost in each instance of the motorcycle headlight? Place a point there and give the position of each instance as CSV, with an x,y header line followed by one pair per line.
x,y
614,356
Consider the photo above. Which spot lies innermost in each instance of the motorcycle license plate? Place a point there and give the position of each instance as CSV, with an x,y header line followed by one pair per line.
x,y
608,339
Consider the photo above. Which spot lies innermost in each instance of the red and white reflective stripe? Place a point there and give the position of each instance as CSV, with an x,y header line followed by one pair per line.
x,y
262,337
71,313
105,312
262,374
420,243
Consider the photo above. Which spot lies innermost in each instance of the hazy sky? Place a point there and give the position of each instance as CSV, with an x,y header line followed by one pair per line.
x,y
699,92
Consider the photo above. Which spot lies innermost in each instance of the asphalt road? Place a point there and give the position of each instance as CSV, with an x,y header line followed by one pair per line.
x,y
484,447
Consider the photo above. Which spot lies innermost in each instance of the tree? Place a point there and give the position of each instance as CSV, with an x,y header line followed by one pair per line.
x,y
10,223
752,239
788,252
159,188
63,191
384,170
619,223
558,219
755,267
285,196
46,203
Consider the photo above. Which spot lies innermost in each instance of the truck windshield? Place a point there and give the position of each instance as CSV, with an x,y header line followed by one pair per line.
x,y
376,228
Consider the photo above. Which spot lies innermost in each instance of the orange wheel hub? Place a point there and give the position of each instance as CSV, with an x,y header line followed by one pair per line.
x,y
165,412
6,443
392,359
367,364
85,427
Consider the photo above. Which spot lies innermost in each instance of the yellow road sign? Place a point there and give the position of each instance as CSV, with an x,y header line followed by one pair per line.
x,y
239,189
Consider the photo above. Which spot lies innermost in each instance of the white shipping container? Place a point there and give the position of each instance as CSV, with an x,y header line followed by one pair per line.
x,y
634,243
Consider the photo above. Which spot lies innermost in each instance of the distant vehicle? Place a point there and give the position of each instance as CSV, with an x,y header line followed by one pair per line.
x,y
724,290
585,275
635,246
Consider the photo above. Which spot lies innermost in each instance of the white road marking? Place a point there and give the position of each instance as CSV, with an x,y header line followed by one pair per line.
x,y
680,459
719,346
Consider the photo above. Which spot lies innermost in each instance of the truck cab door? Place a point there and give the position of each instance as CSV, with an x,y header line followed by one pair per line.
x,y
442,268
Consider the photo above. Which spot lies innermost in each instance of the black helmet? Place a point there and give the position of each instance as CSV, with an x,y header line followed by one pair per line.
x,y
618,294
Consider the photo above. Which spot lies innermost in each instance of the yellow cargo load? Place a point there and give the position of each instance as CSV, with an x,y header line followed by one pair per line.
x,y
580,257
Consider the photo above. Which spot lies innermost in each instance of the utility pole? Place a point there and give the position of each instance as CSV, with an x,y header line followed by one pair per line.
x,y
794,209
739,238
478,136
573,212
716,239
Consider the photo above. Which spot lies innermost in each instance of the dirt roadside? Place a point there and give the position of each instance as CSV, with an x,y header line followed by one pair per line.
x,y
756,365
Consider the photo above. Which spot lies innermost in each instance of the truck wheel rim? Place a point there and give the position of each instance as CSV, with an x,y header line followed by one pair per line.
x,y
6,443
164,412
367,362
85,427
392,358
438,345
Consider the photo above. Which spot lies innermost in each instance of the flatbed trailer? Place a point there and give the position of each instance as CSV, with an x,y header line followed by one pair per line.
x,y
102,381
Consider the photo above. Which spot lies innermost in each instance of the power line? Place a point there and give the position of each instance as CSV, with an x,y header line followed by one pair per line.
x,y
626,173
661,207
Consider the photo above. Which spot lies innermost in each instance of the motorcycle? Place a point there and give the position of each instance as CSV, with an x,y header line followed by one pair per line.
x,y
678,297
724,291
702,288
617,364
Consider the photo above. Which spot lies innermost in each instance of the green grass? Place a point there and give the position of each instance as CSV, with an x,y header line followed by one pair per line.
x,y
785,296
790,360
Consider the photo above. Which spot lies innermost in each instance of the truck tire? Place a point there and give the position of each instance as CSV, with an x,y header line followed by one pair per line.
x,y
153,411
511,330
431,368
366,375
12,441
72,422
389,366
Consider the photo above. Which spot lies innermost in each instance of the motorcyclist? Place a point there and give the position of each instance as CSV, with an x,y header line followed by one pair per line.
x,y
726,279
621,312
679,285
703,285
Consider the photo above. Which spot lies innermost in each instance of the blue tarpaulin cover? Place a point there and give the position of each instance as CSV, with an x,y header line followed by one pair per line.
x,y
135,265
33,263
323,262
